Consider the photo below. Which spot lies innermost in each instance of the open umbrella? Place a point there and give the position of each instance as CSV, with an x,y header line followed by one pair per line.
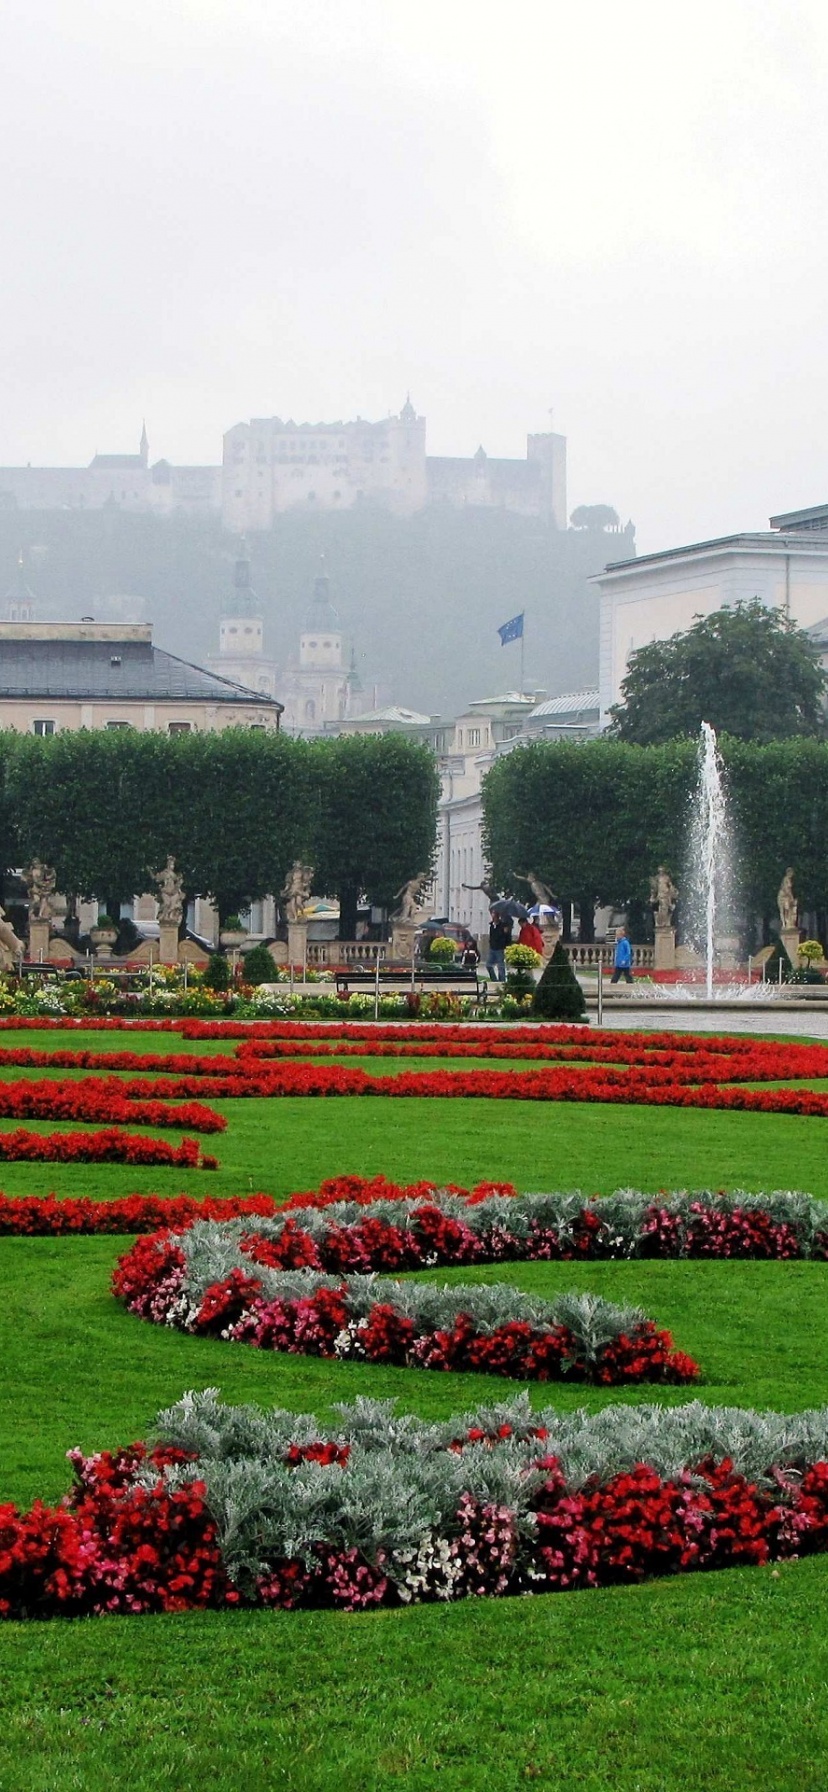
x,y
537,912
509,905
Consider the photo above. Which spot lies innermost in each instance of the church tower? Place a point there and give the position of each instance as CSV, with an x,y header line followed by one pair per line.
x,y
319,688
20,599
241,656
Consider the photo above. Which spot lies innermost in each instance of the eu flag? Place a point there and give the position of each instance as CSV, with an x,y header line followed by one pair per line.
x,y
511,631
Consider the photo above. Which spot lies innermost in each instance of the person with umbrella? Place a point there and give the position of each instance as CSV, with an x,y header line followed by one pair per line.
x,y
501,915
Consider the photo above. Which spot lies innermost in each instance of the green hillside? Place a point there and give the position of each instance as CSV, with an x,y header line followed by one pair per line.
x,y
420,597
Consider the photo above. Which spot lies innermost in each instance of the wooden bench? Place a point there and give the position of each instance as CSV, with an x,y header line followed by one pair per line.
x,y
403,977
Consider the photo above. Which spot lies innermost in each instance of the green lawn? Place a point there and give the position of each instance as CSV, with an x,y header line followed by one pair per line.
x,y
713,1681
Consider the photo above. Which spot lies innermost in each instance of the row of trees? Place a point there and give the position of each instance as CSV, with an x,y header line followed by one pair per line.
x,y
235,809
595,819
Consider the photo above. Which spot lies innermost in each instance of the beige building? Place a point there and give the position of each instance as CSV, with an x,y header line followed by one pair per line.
x,y
56,675
123,481
271,466
659,595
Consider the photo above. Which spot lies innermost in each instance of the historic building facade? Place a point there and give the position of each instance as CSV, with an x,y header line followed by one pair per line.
x,y
659,595
125,481
271,466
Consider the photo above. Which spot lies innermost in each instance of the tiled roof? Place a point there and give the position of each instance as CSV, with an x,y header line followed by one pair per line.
x,y
569,703
94,670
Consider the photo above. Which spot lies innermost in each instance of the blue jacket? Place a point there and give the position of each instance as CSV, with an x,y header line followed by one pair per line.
x,y
623,954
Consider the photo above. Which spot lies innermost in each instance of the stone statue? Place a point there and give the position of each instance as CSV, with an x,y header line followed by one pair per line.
x,y
787,903
540,891
40,881
11,948
294,896
663,897
411,897
170,894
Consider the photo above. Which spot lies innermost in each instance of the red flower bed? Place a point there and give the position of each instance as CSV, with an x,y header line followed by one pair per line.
x,y
151,1279
105,1101
111,1147
38,1216
128,1545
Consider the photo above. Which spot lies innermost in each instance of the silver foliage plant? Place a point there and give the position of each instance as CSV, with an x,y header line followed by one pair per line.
x,y
621,1214
212,1250
398,1498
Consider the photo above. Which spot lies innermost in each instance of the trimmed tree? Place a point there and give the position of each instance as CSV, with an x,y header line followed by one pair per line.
x,y
558,995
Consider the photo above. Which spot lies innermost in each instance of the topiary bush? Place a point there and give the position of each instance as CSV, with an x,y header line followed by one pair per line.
x,y
778,957
259,966
558,995
218,975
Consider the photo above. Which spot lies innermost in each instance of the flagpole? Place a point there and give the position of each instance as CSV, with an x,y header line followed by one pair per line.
x,y
522,638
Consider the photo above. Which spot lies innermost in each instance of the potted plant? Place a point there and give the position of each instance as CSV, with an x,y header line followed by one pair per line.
x,y
233,933
104,933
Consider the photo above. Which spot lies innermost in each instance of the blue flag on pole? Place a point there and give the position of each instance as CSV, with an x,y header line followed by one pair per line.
x,y
511,631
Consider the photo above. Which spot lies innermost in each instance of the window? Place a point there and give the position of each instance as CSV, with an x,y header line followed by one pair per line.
x,y
310,710
474,737
180,727
119,724
43,727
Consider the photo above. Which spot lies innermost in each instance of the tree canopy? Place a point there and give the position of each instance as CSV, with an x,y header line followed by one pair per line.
x,y
748,670
594,820
235,809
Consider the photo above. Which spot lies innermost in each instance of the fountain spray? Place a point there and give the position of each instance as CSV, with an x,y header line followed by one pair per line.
x,y
709,840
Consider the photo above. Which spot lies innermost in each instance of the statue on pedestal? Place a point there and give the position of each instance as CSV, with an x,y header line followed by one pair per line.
x,y
170,894
11,948
787,904
410,898
40,881
663,897
295,895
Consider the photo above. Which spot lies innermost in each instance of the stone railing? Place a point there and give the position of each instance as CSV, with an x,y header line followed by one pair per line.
x,y
324,952
584,957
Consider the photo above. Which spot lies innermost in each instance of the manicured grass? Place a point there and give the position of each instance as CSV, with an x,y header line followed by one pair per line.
x,y
708,1682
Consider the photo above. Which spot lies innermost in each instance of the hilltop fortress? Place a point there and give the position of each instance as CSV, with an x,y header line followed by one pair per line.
x,y
270,466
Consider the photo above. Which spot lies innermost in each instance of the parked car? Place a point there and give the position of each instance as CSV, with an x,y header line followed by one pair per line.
x,y
434,929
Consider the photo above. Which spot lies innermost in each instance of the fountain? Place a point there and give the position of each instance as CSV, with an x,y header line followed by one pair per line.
x,y
711,855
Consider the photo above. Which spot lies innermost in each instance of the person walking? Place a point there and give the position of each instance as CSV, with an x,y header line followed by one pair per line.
x,y
500,936
622,960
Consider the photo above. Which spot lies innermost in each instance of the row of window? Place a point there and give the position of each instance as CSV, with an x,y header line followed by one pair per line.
x,y
46,725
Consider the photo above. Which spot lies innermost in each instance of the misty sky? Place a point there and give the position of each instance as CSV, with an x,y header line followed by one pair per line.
x,y
213,209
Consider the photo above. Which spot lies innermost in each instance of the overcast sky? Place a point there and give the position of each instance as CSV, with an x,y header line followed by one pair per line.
x,y
213,209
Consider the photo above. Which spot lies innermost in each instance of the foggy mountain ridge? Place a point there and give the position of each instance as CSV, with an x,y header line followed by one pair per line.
x,y
419,597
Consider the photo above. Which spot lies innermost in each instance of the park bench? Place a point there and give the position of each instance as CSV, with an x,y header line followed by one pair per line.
x,y
404,978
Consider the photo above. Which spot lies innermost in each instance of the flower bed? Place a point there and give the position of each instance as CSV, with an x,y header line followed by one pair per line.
x,y
202,1280
386,1509
105,1147
103,1100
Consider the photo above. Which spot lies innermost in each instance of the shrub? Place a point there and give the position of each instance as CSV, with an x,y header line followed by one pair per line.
x,y
558,995
259,966
442,950
218,975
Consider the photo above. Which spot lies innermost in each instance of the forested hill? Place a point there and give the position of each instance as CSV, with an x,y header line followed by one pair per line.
x,y
420,597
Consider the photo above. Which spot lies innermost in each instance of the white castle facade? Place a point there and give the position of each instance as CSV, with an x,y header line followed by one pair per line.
x,y
270,466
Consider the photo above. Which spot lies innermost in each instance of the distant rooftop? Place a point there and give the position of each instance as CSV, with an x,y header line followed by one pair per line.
x,y
90,661
569,703
750,541
393,713
815,518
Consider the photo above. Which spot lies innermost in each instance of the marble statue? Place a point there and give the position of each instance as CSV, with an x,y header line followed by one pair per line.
x,y
40,882
410,897
170,894
787,903
663,897
296,893
10,946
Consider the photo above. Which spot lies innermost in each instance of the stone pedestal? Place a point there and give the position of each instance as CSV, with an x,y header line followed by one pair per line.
x,y
790,940
551,936
727,952
297,943
168,943
665,949
38,940
402,941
